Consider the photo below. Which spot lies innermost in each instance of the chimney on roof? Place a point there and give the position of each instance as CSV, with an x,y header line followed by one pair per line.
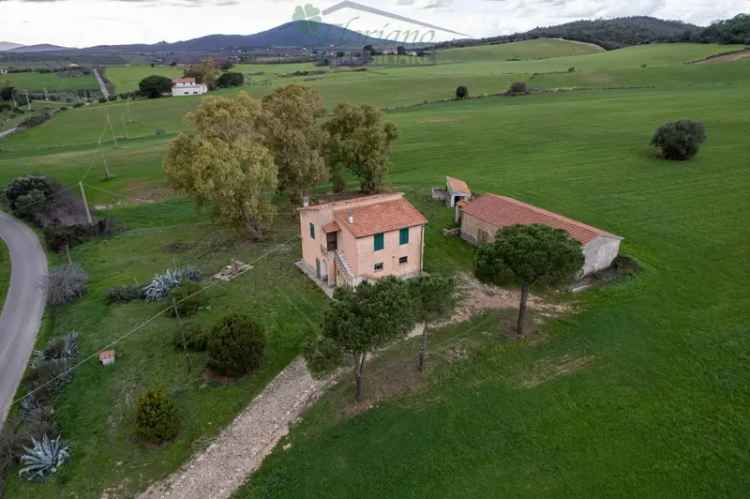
x,y
351,218
306,201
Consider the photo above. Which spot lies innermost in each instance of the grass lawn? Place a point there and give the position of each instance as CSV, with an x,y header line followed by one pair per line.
x,y
97,409
127,78
643,392
541,48
52,82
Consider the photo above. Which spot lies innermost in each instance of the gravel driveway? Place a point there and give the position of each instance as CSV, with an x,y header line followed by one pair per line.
x,y
240,449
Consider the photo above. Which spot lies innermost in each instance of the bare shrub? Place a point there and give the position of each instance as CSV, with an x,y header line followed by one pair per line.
x,y
65,284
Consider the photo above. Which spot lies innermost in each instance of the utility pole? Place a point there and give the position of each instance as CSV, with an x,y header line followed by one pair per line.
x,y
28,102
86,204
46,95
112,129
107,173
124,125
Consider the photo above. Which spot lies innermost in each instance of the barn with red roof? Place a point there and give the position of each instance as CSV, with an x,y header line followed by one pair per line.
x,y
483,217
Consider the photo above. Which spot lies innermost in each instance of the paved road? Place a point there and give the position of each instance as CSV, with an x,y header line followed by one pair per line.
x,y
24,306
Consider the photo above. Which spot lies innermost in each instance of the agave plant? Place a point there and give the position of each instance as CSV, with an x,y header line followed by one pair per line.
x,y
162,284
43,458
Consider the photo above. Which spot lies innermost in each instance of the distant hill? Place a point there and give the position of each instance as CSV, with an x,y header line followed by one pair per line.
x,y
620,32
607,33
43,47
9,46
297,34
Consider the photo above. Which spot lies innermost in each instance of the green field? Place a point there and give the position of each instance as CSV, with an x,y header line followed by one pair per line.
x,y
642,391
52,82
542,48
127,78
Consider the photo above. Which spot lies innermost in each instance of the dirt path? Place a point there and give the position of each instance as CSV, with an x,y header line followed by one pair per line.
x,y
240,449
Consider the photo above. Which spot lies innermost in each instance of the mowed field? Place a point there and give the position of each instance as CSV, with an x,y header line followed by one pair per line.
x,y
126,78
641,390
52,82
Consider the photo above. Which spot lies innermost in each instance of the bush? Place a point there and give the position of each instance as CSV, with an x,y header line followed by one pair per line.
x,y
518,88
195,339
124,294
156,418
30,195
462,92
322,355
230,80
59,237
65,284
236,346
680,140
187,300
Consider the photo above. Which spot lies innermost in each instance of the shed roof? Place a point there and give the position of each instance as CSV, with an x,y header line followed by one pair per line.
x,y
184,80
502,211
457,185
380,217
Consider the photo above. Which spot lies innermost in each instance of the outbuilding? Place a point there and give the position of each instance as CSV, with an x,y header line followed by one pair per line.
x,y
483,217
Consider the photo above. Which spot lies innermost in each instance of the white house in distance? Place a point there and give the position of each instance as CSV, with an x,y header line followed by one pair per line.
x,y
187,86
483,217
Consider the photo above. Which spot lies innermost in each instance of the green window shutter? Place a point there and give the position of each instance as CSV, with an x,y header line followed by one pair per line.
x,y
379,242
312,231
404,236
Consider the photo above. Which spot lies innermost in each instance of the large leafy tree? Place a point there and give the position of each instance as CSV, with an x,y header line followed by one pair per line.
x,y
225,164
204,72
155,86
291,132
531,255
360,140
362,320
433,298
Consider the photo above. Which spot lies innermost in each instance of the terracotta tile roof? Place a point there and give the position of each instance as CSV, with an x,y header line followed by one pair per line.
x,y
457,185
502,211
331,228
184,80
380,217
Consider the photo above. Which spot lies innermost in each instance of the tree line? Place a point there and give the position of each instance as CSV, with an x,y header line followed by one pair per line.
x,y
627,31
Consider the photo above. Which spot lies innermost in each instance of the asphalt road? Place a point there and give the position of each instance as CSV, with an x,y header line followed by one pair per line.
x,y
24,306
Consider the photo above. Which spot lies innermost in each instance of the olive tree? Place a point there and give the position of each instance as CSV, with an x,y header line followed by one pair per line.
x,y
680,140
530,255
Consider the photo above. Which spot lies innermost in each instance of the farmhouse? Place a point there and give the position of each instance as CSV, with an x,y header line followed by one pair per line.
x,y
483,217
366,238
187,86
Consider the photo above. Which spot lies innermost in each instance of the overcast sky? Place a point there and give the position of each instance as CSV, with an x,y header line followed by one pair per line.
x,y
91,22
